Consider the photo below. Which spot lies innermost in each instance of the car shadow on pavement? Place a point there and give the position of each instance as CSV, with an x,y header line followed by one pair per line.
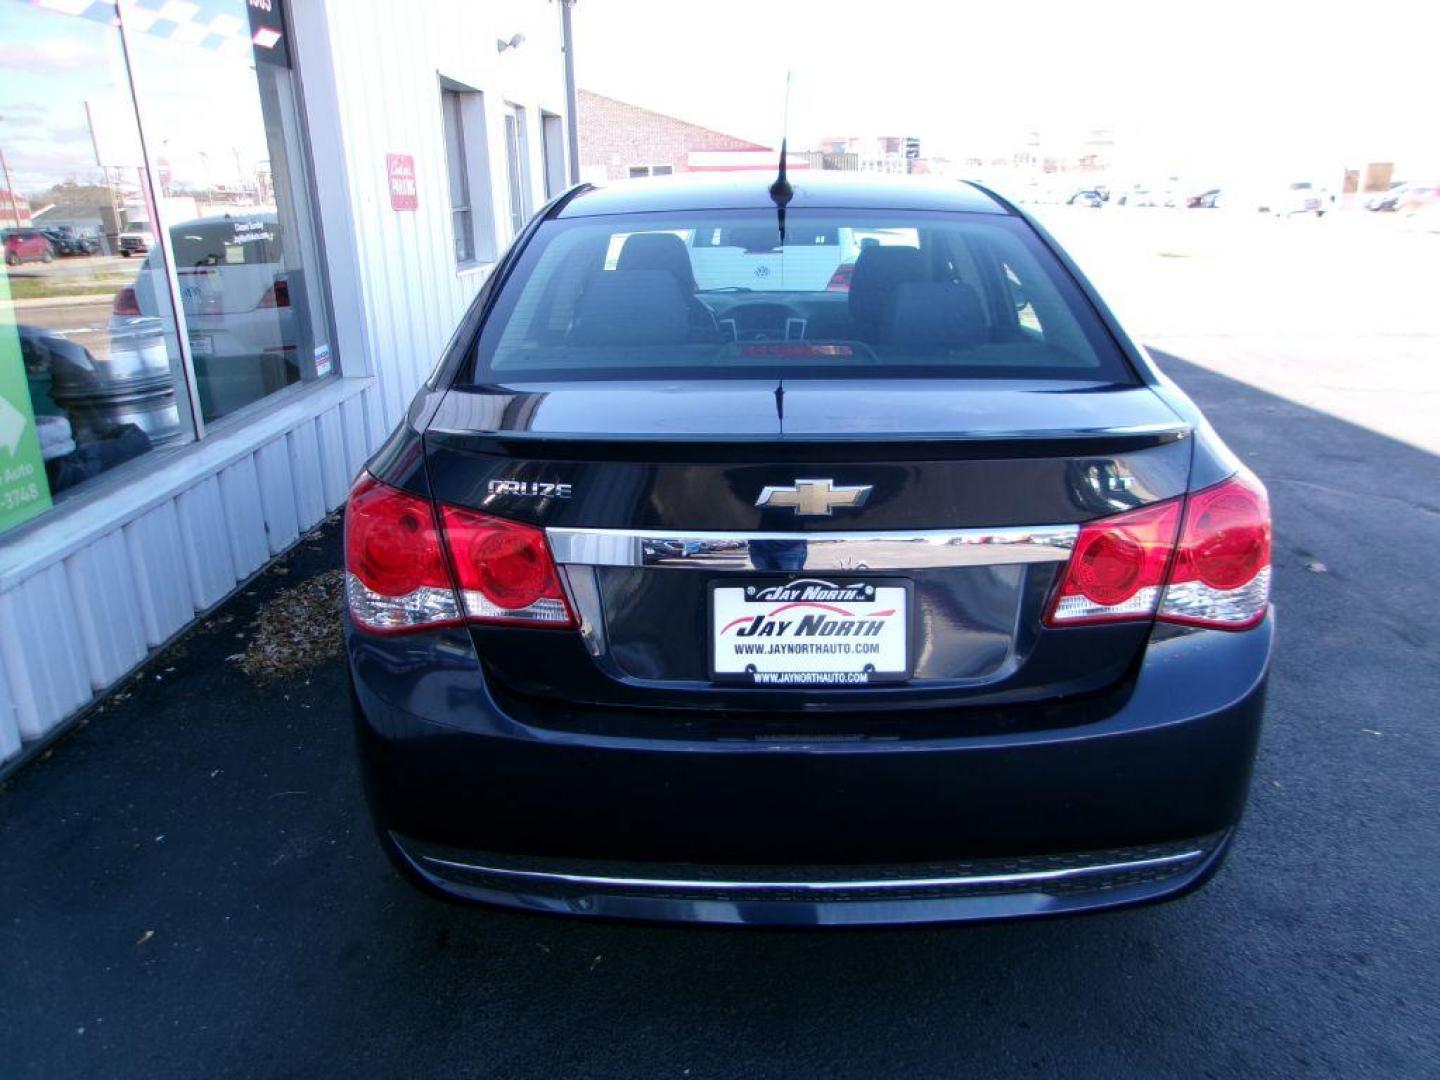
x,y
190,885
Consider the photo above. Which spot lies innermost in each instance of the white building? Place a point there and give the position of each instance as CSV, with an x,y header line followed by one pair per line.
x,y
328,184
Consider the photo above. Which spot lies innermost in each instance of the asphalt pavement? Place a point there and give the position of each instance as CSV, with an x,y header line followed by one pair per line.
x,y
189,887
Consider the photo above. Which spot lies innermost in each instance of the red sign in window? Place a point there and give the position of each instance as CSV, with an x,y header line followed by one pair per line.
x,y
401,170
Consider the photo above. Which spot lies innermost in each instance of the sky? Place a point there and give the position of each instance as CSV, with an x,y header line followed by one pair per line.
x,y
1212,85
202,110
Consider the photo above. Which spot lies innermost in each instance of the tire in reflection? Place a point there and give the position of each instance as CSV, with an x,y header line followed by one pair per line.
x,y
92,415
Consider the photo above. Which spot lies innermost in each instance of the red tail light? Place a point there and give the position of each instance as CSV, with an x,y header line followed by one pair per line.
x,y
399,577
504,570
126,305
840,280
1222,569
1117,567
1218,574
278,295
396,578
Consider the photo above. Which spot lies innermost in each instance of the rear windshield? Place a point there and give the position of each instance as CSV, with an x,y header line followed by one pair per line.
x,y
711,294
226,242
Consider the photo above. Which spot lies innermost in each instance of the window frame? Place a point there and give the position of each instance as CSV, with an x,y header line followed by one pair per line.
x,y
552,153
452,120
469,152
517,167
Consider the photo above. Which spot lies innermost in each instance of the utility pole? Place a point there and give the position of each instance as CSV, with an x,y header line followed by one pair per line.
x,y
567,38
9,189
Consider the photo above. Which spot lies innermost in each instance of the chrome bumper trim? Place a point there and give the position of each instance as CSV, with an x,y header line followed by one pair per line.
x,y
1030,877
909,550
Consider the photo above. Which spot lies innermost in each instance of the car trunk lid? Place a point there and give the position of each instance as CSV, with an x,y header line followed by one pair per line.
x,y
649,493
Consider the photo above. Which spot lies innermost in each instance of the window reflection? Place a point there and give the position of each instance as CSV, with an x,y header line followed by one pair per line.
x,y
75,399
222,125
92,373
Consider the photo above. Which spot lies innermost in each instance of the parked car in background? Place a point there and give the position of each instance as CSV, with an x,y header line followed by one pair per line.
x,y
1388,199
756,260
1086,197
1207,199
1297,197
236,293
1418,197
69,242
927,600
27,245
1146,195
136,239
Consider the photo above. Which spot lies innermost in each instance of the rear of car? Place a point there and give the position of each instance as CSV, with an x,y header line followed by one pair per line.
x,y
236,292
27,245
924,598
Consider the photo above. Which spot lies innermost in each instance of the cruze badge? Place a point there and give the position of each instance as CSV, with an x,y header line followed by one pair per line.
x,y
814,497
530,489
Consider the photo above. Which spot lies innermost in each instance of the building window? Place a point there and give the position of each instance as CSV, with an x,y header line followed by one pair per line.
x,y
467,168
235,197
462,218
552,143
517,159
192,256
637,171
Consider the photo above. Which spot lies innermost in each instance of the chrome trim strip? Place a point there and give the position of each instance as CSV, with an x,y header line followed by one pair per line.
x,y
848,551
1024,878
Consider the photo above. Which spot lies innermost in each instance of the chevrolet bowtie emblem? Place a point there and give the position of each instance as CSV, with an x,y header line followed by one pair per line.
x,y
814,496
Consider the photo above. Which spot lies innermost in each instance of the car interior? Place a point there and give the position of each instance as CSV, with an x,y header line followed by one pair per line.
x,y
946,296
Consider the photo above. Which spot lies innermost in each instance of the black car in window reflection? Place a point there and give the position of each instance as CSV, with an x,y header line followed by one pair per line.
x,y
87,419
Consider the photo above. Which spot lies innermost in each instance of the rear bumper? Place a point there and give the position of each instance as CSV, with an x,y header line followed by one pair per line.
x,y
1136,807
849,896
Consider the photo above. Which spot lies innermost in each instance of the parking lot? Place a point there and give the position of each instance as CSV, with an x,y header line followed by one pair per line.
x,y
73,296
188,885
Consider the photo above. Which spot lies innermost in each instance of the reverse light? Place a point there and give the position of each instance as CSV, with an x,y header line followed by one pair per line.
x,y
409,569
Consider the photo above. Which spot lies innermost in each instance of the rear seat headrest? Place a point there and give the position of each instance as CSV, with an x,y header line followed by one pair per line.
x,y
878,271
935,315
658,251
638,307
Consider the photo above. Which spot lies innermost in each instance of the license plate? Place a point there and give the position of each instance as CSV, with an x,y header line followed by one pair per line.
x,y
810,631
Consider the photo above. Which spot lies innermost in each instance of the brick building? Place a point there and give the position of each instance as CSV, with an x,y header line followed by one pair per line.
x,y
620,140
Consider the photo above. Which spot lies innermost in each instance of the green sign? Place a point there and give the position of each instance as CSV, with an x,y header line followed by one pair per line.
x,y
24,491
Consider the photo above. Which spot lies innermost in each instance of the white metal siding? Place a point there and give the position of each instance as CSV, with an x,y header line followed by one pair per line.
x,y
356,441
43,654
157,561
387,73
277,494
305,474
244,516
203,541
106,605
74,627
334,472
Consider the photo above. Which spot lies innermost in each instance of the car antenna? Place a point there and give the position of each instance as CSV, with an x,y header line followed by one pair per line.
x,y
781,191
